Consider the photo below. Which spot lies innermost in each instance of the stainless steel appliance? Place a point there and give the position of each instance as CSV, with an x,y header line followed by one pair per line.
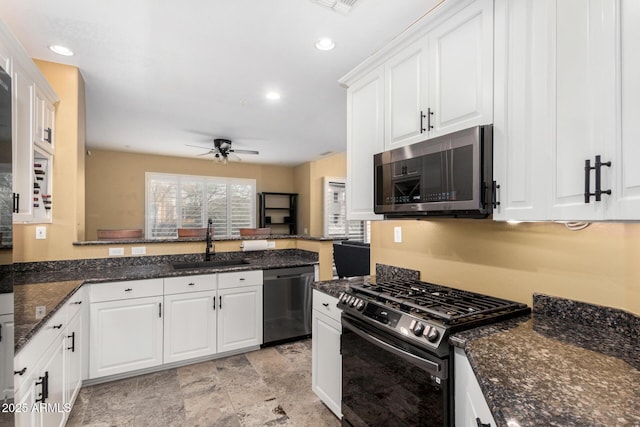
x,y
397,365
287,304
451,175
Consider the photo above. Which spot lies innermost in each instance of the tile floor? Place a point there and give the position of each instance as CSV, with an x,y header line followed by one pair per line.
x,y
269,387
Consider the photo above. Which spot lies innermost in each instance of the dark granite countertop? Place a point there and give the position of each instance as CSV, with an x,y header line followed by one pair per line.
x,y
571,364
51,284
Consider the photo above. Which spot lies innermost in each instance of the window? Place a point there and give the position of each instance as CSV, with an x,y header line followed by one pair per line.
x,y
188,201
335,213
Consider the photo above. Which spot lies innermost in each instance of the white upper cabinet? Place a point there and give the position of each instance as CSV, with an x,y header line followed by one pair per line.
x,y
434,78
365,103
627,172
461,70
406,96
567,94
44,122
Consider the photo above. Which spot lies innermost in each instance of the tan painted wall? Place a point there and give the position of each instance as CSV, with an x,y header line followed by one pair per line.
x,y
309,184
115,183
68,179
596,265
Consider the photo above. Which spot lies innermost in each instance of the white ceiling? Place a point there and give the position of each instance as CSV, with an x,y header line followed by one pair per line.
x,y
161,74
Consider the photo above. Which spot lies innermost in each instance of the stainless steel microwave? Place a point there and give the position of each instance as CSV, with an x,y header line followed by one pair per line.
x,y
450,175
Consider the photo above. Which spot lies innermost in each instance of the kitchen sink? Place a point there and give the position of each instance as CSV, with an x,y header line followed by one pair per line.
x,y
210,264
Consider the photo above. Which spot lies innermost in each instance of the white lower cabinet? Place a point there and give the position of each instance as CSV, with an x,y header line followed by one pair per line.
x,y
189,326
48,369
471,407
239,310
126,335
326,376
6,356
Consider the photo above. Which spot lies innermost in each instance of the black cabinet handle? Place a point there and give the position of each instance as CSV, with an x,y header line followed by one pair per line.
x,y
481,424
0,332
191,284
494,195
214,303
422,117
429,114
128,290
73,342
326,304
587,179
20,372
159,309
48,137
16,202
44,382
57,326
220,302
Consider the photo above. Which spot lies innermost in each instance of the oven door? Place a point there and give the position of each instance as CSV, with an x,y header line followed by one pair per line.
x,y
389,382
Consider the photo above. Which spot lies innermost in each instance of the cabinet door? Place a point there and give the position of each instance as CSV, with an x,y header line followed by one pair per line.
x,y
585,107
53,368
23,97
239,318
627,186
190,325
405,98
73,337
6,356
125,335
471,405
326,374
461,69
25,398
44,122
522,120
365,103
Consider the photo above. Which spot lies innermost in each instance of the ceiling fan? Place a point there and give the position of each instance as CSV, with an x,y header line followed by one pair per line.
x,y
222,150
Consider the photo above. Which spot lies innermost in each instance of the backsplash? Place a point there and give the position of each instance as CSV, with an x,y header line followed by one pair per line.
x,y
386,273
117,262
607,330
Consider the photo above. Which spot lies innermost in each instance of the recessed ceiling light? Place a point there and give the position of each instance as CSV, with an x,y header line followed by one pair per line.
x,y
61,50
325,44
273,95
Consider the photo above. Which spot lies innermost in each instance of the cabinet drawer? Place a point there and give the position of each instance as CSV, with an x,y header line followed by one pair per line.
x,y
125,290
239,278
180,285
326,304
30,354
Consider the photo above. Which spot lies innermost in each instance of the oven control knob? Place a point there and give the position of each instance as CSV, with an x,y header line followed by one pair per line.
x,y
417,328
360,305
352,301
344,298
433,335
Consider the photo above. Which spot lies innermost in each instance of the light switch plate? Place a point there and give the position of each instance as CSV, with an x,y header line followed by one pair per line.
x,y
397,234
41,232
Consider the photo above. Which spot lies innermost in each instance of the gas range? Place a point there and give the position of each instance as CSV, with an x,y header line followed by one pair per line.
x,y
423,313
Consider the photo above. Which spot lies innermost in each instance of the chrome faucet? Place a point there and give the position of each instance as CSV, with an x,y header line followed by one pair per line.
x,y
207,251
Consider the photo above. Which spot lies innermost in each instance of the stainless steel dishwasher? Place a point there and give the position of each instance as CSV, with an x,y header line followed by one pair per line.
x,y
287,304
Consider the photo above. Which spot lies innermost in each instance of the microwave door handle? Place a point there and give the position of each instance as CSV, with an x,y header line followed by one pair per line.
x,y
418,361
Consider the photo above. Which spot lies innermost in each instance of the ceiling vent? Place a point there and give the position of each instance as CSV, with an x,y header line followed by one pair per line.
x,y
340,6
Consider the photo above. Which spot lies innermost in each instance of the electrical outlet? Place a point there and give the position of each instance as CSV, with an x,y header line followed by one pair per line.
x,y
41,232
116,251
138,250
397,234
271,245
41,311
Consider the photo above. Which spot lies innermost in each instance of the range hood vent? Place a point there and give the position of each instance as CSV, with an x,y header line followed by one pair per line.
x,y
341,6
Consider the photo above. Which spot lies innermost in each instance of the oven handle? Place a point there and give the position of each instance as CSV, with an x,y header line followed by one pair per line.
x,y
419,361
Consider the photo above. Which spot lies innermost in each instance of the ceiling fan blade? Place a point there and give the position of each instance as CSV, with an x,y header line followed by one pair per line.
x,y
198,146
234,156
244,151
207,153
